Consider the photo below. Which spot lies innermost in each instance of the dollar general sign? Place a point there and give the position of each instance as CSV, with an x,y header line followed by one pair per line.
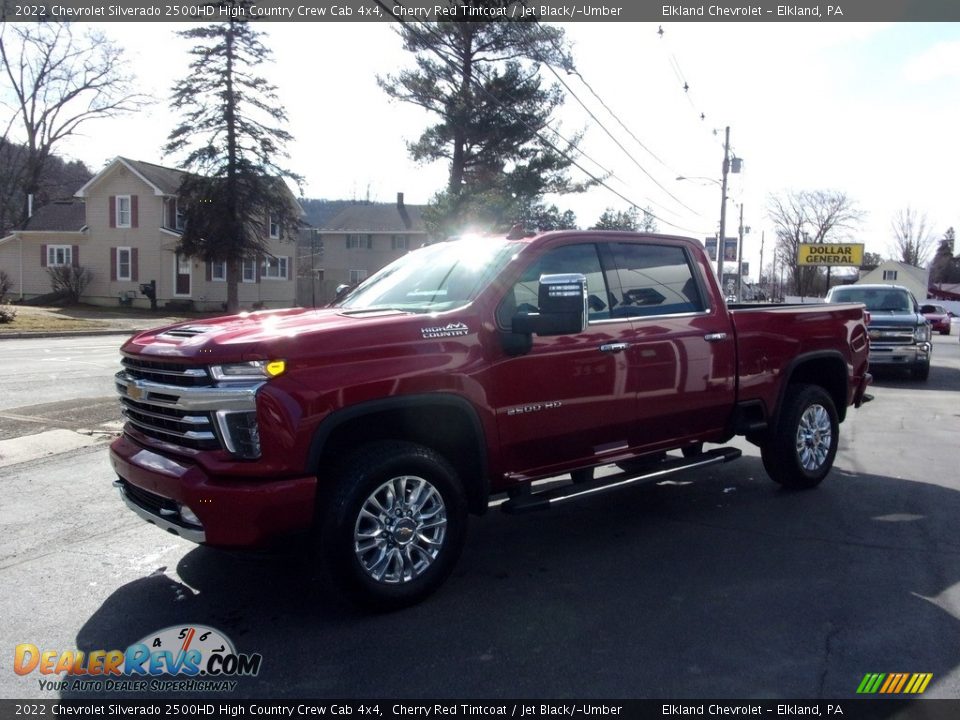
x,y
830,254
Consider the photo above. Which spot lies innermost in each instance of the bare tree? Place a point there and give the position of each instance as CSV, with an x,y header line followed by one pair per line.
x,y
810,216
912,239
53,82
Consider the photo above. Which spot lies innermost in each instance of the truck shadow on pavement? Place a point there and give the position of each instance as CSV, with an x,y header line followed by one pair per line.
x,y
941,378
727,587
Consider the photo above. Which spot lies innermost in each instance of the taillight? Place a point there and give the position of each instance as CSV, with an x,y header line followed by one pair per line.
x,y
866,317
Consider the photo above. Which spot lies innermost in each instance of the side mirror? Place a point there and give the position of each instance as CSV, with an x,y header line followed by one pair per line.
x,y
563,307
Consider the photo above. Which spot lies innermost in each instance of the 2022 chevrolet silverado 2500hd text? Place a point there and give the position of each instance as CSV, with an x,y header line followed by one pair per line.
x,y
463,370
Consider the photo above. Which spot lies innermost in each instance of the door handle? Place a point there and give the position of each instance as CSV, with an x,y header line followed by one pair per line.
x,y
715,337
613,347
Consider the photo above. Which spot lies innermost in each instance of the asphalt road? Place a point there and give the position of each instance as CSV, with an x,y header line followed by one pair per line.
x,y
64,383
723,587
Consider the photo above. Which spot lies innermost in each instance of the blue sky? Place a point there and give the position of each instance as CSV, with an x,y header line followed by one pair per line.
x,y
867,109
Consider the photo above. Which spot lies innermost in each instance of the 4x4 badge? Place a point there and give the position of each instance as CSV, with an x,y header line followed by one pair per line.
x,y
450,330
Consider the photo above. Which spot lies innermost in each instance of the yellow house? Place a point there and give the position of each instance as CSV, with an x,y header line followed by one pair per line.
x,y
124,228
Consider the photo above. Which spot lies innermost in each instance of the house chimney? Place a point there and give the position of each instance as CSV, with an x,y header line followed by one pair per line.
x,y
29,206
402,209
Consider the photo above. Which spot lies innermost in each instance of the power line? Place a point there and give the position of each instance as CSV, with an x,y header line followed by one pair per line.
x,y
537,132
619,144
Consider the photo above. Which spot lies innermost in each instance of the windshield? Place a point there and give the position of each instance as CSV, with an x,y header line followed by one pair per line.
x,y
436,278
876,299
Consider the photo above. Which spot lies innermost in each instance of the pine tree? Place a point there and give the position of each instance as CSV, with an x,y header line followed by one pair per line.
x,y
626,220
945,268
232,139
482,81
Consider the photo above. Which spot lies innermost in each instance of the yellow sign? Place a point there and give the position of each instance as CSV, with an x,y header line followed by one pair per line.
x,y
830,254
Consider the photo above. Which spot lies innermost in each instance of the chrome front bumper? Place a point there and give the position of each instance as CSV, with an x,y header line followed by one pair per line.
x,y
191,533
899,354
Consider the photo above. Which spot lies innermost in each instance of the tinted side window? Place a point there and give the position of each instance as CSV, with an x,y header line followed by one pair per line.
x,y
652,280
524,295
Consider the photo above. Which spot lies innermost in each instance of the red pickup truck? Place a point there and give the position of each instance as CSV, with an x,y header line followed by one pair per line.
x,y
463,370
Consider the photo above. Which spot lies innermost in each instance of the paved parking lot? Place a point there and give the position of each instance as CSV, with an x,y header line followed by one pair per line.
x,y
723,587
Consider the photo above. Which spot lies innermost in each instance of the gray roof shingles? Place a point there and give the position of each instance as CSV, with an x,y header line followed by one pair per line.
x,y
164,178
376,217
58,216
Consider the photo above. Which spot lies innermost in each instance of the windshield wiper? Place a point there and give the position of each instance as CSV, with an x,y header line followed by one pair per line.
x,y
385,309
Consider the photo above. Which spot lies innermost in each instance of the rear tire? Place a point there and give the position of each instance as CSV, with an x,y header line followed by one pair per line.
x,y
801,451
395,524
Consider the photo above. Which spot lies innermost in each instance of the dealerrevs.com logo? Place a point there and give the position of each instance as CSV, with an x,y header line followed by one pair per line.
x,y
188,658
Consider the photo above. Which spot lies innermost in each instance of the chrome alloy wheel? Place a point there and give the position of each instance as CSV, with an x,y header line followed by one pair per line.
x,y
814,437
400,529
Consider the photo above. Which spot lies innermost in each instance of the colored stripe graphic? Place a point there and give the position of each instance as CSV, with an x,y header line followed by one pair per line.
x,y
894,683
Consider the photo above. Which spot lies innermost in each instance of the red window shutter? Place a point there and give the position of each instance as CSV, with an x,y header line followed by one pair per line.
x,y
113,264
43,256
134,263
113,211
133,210
76,255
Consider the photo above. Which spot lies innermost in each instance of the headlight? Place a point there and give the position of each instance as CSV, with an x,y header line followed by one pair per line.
x,y
253,370
921,333
240,433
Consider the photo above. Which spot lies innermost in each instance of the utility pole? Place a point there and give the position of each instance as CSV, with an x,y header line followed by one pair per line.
x,y
760,274
723,207
740,258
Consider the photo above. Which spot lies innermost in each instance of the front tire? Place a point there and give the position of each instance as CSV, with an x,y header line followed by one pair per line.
x,y
921,371
395,525
801,452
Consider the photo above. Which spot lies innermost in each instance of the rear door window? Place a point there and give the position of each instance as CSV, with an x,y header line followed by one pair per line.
x,y
652,280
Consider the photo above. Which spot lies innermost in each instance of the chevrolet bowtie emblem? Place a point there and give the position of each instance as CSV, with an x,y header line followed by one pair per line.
x,y
133,391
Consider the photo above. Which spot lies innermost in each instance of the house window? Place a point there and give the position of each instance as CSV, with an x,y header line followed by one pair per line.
x,y
59,255
357,276
274,228
359,241
399,242
218,270
124,264
249,271
179,216
889,274
123,211
274,268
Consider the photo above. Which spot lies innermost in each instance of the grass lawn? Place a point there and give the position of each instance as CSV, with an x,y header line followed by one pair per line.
x,y
89,317
34,319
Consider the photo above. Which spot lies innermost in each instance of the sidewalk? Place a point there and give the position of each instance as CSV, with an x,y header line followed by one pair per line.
x,y
80,320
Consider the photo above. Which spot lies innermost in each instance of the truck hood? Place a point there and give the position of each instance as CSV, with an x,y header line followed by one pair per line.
x,y
887,319
268,334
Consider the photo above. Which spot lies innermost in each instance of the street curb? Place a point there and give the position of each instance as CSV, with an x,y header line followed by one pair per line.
x,y
65,334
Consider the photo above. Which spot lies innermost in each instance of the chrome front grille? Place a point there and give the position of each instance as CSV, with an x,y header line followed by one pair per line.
x,y
891,335
186,417
180,427
171,373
